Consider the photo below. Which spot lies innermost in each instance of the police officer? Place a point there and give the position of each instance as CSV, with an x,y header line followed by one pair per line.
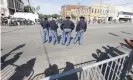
x,y
53,28
80,29
45,25
67,26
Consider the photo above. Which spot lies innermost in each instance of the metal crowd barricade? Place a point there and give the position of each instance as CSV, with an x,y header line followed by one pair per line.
x,y
109,69
42,75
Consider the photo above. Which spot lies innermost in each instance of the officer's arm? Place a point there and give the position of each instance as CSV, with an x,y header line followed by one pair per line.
x,y
61,26
85,26
48,24
77,27
73,26
41,23
78,24
56,26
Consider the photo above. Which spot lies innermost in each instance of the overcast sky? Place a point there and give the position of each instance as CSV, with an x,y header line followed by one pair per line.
x,y
54,6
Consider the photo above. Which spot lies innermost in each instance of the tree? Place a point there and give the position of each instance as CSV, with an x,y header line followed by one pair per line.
x,y
48,16
29,8
33,9
41,15
56,15
73,16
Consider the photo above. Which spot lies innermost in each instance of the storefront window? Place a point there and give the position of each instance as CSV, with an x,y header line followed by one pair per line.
x,y
103,11
95,10
98,11
92,10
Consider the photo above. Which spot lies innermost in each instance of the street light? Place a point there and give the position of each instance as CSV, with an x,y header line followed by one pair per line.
x,y
100,8
79,2
78,10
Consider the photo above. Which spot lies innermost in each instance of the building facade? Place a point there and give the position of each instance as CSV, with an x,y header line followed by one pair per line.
x,y
15,6
105,12
81,12
3,7
123,13
9,7
109,12
99,11
67,9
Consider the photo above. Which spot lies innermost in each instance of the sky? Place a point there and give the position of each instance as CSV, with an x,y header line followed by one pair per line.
x,y
54,6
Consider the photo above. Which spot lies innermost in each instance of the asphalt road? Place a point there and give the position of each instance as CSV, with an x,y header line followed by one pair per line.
x,y
26,43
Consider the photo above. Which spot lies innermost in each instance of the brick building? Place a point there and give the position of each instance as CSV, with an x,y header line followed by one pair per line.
x,y
66,9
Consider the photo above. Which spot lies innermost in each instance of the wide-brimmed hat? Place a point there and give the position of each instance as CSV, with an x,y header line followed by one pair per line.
x,y
82,17
45,18
54,17
68,17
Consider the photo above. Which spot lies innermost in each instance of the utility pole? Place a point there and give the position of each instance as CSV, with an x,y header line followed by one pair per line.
x,y
100,9
79,2
108,12
14,6
78,10
65,10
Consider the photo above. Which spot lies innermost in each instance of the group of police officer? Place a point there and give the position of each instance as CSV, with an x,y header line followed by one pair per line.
x,y
67,26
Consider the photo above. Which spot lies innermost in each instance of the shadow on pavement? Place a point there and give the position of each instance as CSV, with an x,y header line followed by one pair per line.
x,y
3,58
18,47
109,52
24,71
69,66
11,61
113,34
125,32
125,45
53,69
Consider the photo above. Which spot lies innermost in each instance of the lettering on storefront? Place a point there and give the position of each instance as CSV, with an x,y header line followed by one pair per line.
x,y
126,16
